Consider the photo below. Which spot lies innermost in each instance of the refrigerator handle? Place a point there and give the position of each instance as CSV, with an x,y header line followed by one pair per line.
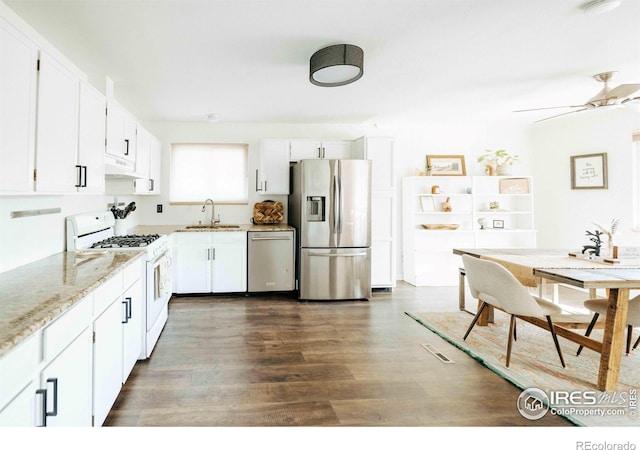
x,y
336,206
340,202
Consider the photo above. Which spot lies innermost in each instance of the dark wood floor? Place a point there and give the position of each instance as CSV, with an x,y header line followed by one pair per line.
x,y
263,361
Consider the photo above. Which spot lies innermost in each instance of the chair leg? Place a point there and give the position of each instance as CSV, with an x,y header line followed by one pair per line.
x,y
512,326
629,336
555,339
589,329
475,319
637,342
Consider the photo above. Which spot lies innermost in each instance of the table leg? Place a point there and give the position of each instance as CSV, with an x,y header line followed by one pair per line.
x,y
613,339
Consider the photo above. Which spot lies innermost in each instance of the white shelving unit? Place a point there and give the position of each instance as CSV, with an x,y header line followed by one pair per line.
x,y
506,204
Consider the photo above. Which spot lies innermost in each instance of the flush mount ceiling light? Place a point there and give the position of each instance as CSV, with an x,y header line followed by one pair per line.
x,y
600,6
336,65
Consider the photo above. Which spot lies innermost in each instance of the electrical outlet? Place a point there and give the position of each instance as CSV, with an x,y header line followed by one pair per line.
x,y
158,208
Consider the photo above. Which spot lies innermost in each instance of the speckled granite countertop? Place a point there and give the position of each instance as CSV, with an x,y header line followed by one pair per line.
x,y
168,229
35,294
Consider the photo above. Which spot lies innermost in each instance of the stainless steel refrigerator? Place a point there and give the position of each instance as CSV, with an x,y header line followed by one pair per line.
x,y
330,207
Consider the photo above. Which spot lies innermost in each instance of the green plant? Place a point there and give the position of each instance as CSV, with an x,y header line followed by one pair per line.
x,y
497,157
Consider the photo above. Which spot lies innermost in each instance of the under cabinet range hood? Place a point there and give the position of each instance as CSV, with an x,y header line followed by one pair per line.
x,y
119,168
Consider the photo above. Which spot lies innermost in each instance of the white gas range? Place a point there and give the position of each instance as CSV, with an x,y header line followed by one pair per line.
x,y
96,231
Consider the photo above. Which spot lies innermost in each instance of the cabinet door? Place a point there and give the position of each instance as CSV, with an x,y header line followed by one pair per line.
x,y
20,412
230,268
336,149
155,166
18,79
143,155
107,361
305,149
57,130
130,137
274,163
67,380
116,145
382,239
192,263
380,152
132,324
91,138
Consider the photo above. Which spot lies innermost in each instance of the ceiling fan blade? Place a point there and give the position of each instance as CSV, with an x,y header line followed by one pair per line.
x,y
550,107
622,91
563,114
630,100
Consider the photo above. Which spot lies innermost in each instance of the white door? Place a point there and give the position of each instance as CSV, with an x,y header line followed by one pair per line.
x,y
18,87
57,130
143,155
92,129
336,149
132,323
274,163
107,361
67,380
192,263
305,149
229,268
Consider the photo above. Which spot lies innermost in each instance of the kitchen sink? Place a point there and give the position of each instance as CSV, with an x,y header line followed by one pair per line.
x,y
217,226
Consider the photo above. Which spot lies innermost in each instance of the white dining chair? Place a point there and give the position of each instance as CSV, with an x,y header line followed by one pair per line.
x,y
599,308
492,284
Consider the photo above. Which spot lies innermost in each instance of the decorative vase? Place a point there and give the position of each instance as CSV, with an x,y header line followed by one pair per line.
x,y
489,170
503,169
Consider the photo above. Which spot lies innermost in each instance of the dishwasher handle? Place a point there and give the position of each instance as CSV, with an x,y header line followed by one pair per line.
x,y
271,238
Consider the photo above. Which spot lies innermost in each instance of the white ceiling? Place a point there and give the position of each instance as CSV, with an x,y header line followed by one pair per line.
x,y
425,60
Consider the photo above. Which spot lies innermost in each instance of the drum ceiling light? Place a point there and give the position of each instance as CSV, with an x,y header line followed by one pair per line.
x,y
336,65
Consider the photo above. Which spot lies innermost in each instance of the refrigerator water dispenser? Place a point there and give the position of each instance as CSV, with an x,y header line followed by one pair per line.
x,y
315,209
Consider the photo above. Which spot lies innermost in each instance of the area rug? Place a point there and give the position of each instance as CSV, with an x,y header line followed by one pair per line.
x,y
570,392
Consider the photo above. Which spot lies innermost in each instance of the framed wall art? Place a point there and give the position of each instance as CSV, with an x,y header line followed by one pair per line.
x,y
514,186
589,171
427,203
446,165
498,224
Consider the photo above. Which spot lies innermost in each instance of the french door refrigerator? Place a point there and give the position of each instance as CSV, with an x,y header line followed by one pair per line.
x,y
330,206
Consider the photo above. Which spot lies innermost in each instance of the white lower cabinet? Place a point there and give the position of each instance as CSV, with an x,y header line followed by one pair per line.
x,y
74,367
67,383
210,262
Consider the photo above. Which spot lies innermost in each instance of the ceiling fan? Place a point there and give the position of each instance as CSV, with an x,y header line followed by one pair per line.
x,y
619,95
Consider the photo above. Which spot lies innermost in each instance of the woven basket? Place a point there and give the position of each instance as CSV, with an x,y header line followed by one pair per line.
x,y
268,212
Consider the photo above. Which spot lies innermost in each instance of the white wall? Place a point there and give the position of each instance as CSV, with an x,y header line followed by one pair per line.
x,y
563,215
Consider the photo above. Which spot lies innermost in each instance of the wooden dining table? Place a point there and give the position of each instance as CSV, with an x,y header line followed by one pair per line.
x,y
531,266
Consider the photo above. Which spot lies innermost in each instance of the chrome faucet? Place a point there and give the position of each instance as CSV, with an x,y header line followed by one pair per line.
x,y
214,221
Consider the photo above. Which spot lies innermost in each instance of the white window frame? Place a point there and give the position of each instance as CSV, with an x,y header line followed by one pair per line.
x,y
636,181
218,171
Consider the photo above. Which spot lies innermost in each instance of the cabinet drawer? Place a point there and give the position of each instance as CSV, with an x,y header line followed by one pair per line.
x,y
232,238
132,273
18,368
62,331
104,295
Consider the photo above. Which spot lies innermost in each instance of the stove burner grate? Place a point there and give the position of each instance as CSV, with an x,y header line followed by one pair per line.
x,y
132,240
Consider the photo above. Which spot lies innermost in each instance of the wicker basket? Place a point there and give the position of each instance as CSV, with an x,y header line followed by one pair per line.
x,y
268,212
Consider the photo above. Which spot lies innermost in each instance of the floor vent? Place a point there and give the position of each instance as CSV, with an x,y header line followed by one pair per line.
x,y
438,354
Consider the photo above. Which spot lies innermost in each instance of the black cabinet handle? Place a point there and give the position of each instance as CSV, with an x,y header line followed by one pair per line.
x,y
79,183
129,309
258,188
126,152
127,315
55,396
84,168
152,184
43,405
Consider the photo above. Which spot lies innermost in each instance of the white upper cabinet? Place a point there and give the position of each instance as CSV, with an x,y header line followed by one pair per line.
x,y
316,149
18,87
273,176
148,163
57,127
155,166
91,140
121,133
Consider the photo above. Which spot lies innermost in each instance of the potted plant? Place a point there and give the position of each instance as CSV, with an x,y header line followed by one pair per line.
x,y
497,162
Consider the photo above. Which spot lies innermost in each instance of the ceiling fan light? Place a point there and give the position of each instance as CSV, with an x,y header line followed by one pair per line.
x,y
336,65
600,6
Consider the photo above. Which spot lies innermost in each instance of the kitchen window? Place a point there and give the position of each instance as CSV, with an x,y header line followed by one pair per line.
x,y
201,171
636,181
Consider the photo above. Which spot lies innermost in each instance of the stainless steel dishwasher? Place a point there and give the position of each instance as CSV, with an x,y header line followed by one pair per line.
x,y
271,261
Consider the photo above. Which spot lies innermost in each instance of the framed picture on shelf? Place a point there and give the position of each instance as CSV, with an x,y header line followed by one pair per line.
x,y
498,224
589,171
427,203
514,186
446,165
